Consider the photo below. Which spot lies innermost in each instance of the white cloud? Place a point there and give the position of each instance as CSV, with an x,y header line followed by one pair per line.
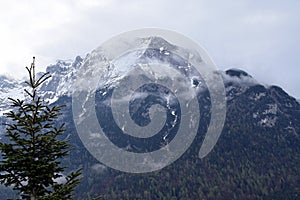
x,y
258,36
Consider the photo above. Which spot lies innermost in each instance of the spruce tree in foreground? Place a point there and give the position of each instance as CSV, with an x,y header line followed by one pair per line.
x,y
31,159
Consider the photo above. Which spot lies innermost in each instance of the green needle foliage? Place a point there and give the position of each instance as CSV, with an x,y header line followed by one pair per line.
x,y
31,159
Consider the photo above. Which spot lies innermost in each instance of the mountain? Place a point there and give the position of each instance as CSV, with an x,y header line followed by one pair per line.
x,y
256,157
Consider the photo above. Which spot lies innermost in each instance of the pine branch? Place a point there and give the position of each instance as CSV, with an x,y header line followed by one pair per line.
x,y
32,157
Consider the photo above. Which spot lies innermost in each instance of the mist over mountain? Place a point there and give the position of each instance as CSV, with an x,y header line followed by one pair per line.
x,y
256,157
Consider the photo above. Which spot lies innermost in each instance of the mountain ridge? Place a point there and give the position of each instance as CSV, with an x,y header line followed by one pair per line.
x,y
256,157
63,74
64,70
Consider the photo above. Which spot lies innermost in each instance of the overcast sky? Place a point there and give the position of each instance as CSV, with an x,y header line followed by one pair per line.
x,y
261,37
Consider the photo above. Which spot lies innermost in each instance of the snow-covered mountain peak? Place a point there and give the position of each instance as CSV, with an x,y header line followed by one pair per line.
x,y
63,74
238,77
237,82
62,66
60,83
160,43
9,88
111,63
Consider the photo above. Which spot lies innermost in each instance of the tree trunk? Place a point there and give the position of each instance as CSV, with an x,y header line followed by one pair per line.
x,y
33,196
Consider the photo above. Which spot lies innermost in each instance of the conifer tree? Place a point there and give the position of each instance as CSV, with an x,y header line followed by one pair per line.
x,y
31,157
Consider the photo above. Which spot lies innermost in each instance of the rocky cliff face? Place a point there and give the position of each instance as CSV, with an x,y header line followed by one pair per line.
x,y
257,155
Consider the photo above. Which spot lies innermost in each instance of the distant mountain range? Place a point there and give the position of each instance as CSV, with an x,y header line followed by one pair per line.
x,y
256,157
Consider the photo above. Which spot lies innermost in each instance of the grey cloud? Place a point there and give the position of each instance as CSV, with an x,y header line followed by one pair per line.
x,y
260,37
